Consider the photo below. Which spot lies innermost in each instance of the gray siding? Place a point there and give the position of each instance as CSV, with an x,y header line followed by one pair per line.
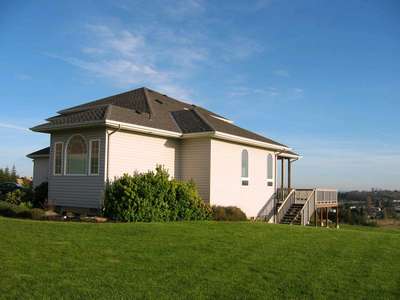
x,y
78,191
40,170
194,164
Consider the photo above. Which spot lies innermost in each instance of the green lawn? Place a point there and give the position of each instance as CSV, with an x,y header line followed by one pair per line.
x,y
196,260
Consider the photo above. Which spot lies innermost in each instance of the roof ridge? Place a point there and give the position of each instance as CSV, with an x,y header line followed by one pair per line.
x,y
151,108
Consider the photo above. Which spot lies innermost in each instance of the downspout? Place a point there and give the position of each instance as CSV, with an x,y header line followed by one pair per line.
x,y
108,149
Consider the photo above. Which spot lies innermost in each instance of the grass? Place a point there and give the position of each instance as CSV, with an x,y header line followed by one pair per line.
x,y
196,260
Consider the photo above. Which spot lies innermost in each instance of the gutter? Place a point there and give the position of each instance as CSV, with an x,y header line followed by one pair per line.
x,y
109,134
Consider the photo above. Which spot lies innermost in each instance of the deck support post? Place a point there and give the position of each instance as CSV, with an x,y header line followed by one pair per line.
x,y
337,216
321,216
283,179
316,216
327,214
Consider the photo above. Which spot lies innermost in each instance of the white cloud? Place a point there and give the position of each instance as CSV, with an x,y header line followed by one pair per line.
x,y
282,73
128,59
241,91
184,8
12,126
23,77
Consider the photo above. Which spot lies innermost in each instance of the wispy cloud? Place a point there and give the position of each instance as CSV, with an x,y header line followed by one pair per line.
x,y
184,8
282,73
241,91
127,58
12,126
23,77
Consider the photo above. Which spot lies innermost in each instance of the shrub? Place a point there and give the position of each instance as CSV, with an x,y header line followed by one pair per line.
x,y
40,195
15,197
152,196
228,213
20,211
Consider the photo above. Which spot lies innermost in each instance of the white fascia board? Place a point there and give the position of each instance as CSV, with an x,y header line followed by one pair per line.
x,y
287,155
239,139
143,129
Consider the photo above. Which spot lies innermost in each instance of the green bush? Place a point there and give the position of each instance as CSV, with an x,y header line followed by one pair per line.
x,y
20,211
152,196
15,197
40,195
228,213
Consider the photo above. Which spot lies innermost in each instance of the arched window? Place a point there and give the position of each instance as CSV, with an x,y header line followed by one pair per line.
x,y
270,166
245,167
76,156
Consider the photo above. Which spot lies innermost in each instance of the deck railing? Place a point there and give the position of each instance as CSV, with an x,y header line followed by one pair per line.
x,y
308,209
285,206
268,210
325,197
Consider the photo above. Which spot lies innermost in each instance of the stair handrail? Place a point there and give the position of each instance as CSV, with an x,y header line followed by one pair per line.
x,y
268,210
286,204
309,206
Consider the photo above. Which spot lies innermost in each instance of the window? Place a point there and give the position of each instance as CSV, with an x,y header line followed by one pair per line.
x,y
76,156
245,167
58,151
270,166
94,157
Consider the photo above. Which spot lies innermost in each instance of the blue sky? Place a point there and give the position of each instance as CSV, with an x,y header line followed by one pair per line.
x,y
320,76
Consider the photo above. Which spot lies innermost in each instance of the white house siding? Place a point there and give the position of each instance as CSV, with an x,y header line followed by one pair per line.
x,y
130,152
77,191
226,187
195,164
40,170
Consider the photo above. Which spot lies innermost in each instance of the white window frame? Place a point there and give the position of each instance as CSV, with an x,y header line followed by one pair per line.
x,y
272,169
62,158
242,179
66,155
90,158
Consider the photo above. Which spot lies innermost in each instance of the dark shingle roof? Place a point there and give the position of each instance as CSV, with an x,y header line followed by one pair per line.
x,y
41,152
149,108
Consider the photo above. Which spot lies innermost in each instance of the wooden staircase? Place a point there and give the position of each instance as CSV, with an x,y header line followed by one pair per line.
x,y
291,216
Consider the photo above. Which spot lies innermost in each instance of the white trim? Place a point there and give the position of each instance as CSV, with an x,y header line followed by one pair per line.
x,y
66,155
144,129
235,138
287,155
54,159
90,158
222,119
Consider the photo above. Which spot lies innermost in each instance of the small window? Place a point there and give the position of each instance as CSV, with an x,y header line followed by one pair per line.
x,y
76,156
270,166
245,167
94,157
58,151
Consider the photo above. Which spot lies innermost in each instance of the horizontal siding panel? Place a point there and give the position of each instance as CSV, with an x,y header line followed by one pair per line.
x,y
195,164
132,152
78,191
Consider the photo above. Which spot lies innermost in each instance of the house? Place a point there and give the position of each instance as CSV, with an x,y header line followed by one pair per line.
x,y
140,129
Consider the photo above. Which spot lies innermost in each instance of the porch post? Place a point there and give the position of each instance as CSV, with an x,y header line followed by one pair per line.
x,y
289,174
283,178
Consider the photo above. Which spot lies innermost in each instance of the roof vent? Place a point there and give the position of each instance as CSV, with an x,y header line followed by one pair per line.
x,y
159,101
